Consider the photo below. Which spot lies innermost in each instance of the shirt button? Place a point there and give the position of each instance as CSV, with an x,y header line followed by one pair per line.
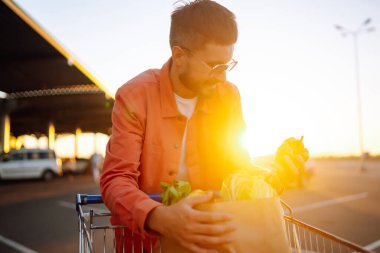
x,y
176,146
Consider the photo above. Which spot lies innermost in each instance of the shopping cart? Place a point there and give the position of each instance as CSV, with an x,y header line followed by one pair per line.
x,y
97,235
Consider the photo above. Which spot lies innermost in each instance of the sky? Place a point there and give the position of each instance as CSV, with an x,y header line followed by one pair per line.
x,y
296,73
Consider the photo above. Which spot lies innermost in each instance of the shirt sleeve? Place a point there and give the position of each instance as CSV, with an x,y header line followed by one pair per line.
x,y
119,180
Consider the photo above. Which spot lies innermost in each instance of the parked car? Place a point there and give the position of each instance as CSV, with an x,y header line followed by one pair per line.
x,y
30,163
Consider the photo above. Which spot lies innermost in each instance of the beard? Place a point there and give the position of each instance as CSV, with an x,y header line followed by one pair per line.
x,y
201,88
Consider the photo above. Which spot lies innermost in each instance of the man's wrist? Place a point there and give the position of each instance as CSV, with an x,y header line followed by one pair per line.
x,y
154,219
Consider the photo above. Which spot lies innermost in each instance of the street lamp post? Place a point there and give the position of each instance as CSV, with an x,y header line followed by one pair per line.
x,y
363,28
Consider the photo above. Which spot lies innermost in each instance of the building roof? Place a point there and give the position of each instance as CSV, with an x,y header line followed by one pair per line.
x,y
42,82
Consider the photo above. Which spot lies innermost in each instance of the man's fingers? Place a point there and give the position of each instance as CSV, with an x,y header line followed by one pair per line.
x,y
215,229
211,217
211,240
196,200
305,154
300,163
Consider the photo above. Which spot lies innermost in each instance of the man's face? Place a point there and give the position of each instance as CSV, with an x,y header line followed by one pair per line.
x,y
198,74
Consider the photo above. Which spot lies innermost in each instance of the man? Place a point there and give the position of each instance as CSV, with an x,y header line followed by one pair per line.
x,y
184,122
96,166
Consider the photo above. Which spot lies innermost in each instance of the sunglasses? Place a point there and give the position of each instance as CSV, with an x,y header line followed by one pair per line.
x,y
216,69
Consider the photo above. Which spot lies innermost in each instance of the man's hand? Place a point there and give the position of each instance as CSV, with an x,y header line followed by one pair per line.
x,y
289,164
193,229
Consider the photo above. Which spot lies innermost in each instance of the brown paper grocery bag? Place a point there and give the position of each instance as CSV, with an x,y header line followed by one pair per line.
x,y
260,227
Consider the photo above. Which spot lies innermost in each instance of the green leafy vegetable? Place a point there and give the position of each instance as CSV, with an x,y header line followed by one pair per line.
x,y
246,185
174,192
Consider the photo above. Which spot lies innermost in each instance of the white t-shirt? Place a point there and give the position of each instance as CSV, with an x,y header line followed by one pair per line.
x,y
186,107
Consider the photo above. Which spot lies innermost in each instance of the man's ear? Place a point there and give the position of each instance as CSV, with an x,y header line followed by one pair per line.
x,y
178,56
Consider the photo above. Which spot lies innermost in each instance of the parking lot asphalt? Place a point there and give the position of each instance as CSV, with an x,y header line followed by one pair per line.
x,y
342,200
39,216
32,216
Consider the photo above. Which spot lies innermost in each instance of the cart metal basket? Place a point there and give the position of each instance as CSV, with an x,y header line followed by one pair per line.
x,y
97,235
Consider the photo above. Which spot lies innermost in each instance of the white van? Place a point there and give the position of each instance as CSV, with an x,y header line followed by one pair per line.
x,y
30,163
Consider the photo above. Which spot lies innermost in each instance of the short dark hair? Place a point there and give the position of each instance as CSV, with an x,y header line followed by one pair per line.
x,y
199,22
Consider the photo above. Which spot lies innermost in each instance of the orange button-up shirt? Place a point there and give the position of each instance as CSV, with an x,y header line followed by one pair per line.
x,y
145,146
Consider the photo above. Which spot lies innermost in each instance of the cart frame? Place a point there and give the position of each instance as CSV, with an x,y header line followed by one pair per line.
x,y
301,236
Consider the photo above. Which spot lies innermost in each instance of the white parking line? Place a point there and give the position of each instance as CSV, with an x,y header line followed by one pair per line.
x,y
373,245
331,202
16,245
72,206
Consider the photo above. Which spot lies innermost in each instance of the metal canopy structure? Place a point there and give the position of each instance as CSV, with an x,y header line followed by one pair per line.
x,y
42,83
